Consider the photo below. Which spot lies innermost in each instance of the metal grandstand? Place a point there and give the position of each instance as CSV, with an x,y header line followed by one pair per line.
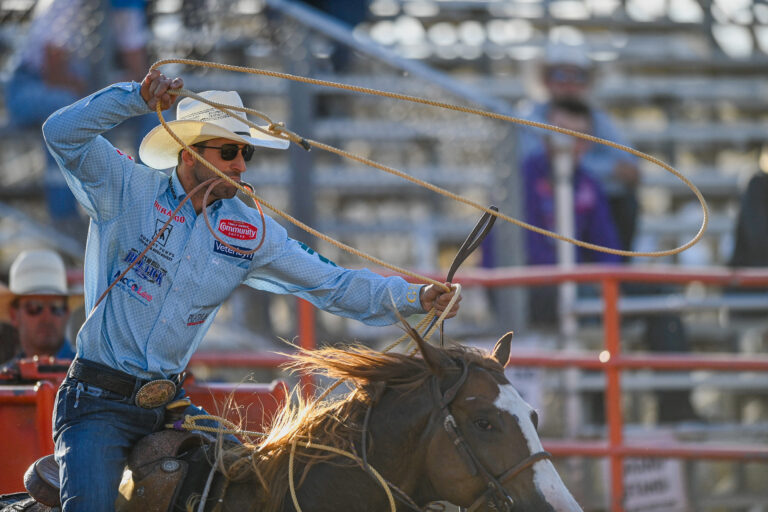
x,y
684,78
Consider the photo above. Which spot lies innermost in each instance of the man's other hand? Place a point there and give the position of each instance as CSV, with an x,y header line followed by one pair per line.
x,y
436,297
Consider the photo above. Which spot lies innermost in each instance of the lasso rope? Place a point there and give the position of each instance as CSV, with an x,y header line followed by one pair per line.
x,y
190,422
277,130
338,451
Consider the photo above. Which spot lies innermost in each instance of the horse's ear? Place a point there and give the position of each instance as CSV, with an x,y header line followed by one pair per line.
x,y
501,349
435,358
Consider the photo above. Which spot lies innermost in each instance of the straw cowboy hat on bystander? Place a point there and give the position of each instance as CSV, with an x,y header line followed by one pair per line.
x,y
38,303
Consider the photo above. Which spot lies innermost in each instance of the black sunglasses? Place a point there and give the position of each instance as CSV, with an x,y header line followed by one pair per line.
x,y
229,151
34,308
568,75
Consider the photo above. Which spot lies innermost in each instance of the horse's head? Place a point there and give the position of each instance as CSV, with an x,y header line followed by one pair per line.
x,y
484,452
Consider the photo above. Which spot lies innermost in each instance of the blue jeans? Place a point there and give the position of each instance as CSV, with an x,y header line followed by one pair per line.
x,y
94,431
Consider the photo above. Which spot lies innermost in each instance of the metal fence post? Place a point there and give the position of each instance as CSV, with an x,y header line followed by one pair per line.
x,y
613,413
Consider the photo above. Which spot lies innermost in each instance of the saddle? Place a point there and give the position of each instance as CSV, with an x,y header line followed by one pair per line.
x,y
154,473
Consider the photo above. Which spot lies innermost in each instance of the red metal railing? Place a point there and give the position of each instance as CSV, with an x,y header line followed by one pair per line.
x,y
610,360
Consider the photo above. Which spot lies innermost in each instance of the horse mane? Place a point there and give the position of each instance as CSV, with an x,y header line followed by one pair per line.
x,y
336,422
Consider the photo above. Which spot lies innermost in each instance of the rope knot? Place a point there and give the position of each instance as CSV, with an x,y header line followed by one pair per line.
x,y
280,130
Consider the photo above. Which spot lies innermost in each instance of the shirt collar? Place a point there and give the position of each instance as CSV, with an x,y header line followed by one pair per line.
x,y
175,187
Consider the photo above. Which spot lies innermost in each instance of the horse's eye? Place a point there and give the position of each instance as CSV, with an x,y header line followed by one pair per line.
x,y
535,419
483,424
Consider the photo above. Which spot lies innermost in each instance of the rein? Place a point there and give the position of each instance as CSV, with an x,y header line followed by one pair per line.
x,y
495,493
472,242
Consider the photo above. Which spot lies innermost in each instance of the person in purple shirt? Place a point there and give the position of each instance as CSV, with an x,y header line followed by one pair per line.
x,y
592,215
568,74
594,223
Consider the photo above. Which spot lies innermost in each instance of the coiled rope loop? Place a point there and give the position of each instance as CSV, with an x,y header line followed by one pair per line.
x,y
278,130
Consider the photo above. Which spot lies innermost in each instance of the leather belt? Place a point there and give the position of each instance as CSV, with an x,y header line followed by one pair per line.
x,y
144,393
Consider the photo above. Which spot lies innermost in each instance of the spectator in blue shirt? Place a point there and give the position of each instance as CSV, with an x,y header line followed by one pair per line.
x,y
55,65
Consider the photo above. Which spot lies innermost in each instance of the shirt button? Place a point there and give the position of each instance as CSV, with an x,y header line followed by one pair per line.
x,y
189,257
163,320
176,289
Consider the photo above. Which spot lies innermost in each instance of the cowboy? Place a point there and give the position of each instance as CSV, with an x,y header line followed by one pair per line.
x,y
38,305
138,339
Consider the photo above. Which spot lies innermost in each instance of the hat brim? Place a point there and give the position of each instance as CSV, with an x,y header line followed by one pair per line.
x,y
74,301
160,151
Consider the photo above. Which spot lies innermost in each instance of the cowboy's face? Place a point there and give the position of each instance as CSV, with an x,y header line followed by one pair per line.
x,y
575,122
567,82
41,321
232,168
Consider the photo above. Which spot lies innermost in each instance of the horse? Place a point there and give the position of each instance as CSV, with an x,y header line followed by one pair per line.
x,y
443,425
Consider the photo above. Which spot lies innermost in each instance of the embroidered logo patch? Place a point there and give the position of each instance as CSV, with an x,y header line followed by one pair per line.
x,y
166,234
223,249
196,318
413,293
136,290
147,268
165,211
238,229
309,250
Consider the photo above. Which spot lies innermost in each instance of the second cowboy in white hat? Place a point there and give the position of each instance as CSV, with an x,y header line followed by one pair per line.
x,y
38,304
140,337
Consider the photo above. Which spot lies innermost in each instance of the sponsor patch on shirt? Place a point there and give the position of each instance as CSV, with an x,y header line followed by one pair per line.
x,y
147,268
220,248
165,211
238,229
133,288
196,318
413,293
313,252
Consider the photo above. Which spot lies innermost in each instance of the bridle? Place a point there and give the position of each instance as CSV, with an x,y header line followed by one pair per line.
x,y
495,495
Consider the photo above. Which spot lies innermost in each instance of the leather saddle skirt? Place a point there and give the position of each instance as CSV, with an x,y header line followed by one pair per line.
x,y
156,469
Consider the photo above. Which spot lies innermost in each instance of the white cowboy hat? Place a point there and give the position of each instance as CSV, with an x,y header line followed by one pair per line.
x,y
561,54
197,122
37,272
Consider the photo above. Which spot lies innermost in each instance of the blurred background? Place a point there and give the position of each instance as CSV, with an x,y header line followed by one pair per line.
x,y
682,80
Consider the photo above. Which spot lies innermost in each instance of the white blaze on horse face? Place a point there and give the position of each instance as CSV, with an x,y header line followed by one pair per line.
x,y
545,478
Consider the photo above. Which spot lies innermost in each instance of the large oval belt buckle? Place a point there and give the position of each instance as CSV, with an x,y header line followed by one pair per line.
x,y
155,393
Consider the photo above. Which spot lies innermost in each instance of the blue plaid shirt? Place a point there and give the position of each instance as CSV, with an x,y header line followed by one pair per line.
x,y
153,320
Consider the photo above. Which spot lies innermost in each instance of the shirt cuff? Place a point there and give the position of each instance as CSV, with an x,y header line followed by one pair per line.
x,y
412,304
